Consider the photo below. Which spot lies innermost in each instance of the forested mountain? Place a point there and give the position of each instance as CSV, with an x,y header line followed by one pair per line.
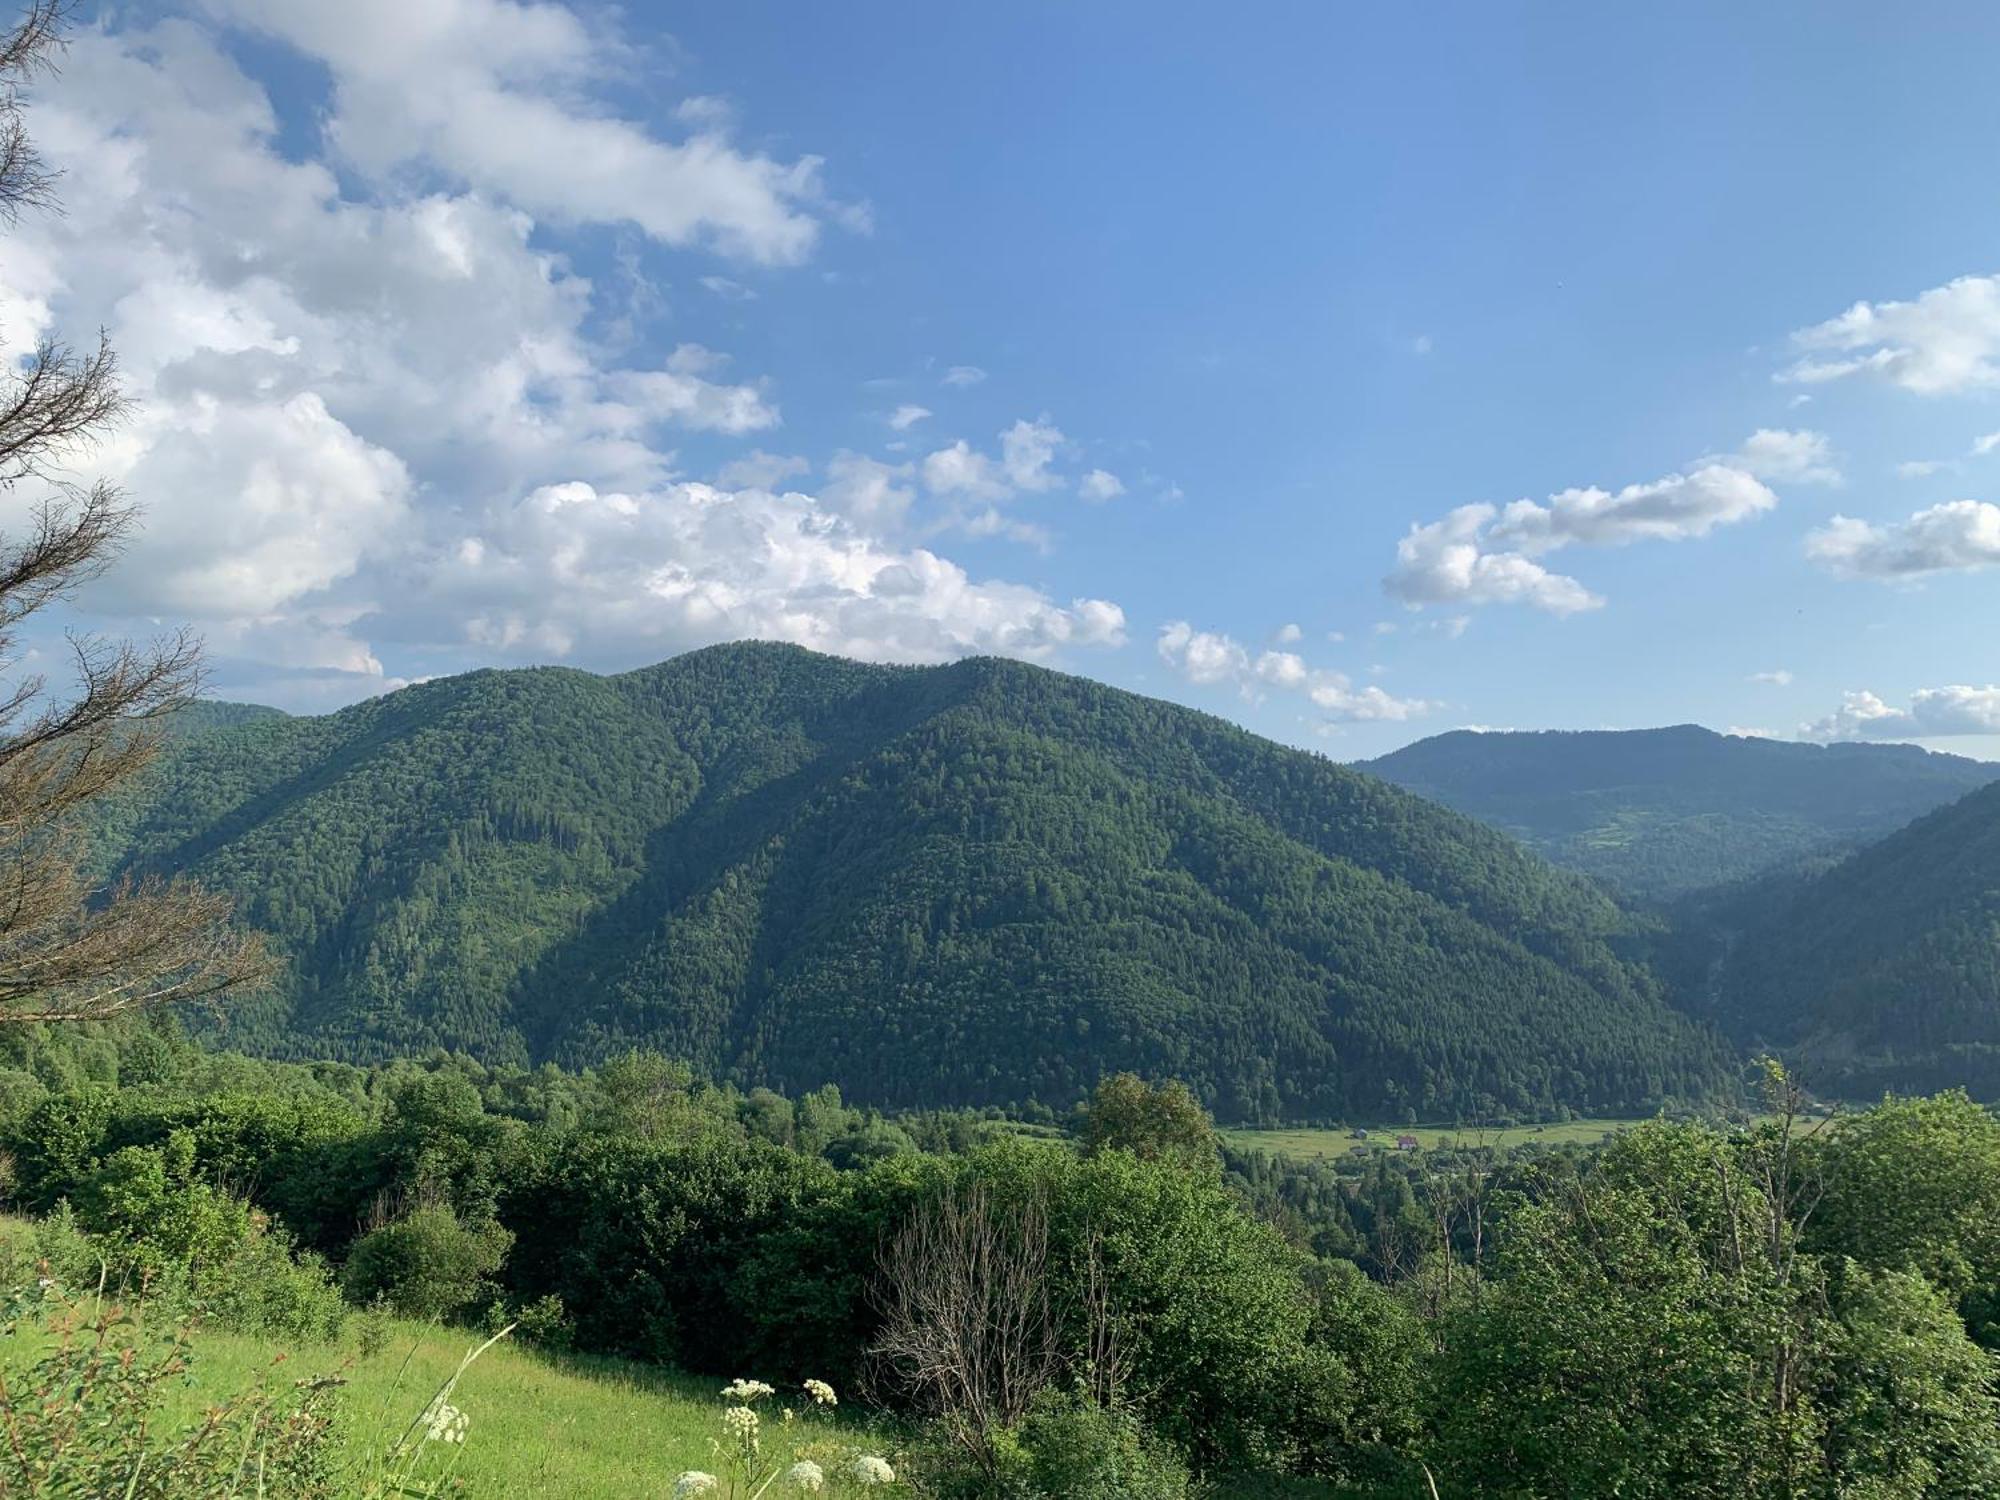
x,y
983,882
1884,971
1658,813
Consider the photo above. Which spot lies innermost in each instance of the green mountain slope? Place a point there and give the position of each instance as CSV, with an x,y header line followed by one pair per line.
x,y
1658,813
1883,972
983,882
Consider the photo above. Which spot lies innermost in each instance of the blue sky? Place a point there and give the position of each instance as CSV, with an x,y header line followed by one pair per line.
x,y
478,333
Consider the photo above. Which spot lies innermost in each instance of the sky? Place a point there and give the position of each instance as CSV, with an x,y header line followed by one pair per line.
x,y
1354,373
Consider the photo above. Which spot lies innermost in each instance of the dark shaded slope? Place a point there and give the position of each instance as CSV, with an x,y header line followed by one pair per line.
x,y
1883,972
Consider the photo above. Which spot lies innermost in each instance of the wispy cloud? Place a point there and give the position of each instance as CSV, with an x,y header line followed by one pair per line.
x,y
1211,658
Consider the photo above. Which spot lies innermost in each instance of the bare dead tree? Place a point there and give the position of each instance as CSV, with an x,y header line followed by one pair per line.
x,y
68,950
1783,1168
1105,1375
970,1333
27,52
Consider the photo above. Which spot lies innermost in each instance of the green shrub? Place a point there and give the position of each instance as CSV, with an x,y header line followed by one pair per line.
x,y
150,1225
263,1289
1077,1450
542,1322
427,1264
151,1216
1067,1448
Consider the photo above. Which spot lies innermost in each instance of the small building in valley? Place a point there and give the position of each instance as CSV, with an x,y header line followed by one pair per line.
x,y
1406,1143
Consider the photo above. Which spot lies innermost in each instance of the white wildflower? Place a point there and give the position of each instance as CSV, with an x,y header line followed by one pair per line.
x,y
821,1393
743,1392
694,1482
868,1469
806,1475
740,1423
446,1424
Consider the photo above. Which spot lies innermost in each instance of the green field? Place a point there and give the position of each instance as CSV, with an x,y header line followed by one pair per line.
x,y
1311,1145
539,1425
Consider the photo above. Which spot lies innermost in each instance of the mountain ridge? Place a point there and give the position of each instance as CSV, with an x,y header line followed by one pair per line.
x,y
979,882
1661,813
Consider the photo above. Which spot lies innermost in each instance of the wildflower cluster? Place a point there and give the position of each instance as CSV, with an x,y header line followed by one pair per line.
x,y
740,1423
868,1470
745,1472
445,1423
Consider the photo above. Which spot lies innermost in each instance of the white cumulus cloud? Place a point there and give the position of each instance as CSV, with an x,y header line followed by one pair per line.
x,y
1957,536
1026,451
571,570
376,417
1932,713
1447,562
1943,341
1799,456
499,95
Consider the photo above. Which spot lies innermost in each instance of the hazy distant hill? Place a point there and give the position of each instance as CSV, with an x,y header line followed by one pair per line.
x,y
1660,812
976,882
1883,972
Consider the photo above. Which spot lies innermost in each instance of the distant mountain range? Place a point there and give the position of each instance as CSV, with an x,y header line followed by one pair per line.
x,y
983,882
1660,813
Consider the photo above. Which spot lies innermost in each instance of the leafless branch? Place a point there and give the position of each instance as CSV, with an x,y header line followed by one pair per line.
x,y
969,1332
69,950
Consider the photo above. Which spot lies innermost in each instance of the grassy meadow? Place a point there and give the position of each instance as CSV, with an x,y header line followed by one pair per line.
x,y
539,1424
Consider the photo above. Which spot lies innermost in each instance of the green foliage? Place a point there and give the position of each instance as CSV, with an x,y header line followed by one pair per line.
x,y
1078,1450
1651,1328
1155,1122
427,1264
1068,1447
152,1226
1914,1184
149,1211
976,884
1660,813
1910,1403
1762,1314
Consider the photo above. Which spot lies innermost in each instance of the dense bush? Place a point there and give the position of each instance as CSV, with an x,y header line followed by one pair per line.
x,y
427,1264
1068,1447
142,1222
